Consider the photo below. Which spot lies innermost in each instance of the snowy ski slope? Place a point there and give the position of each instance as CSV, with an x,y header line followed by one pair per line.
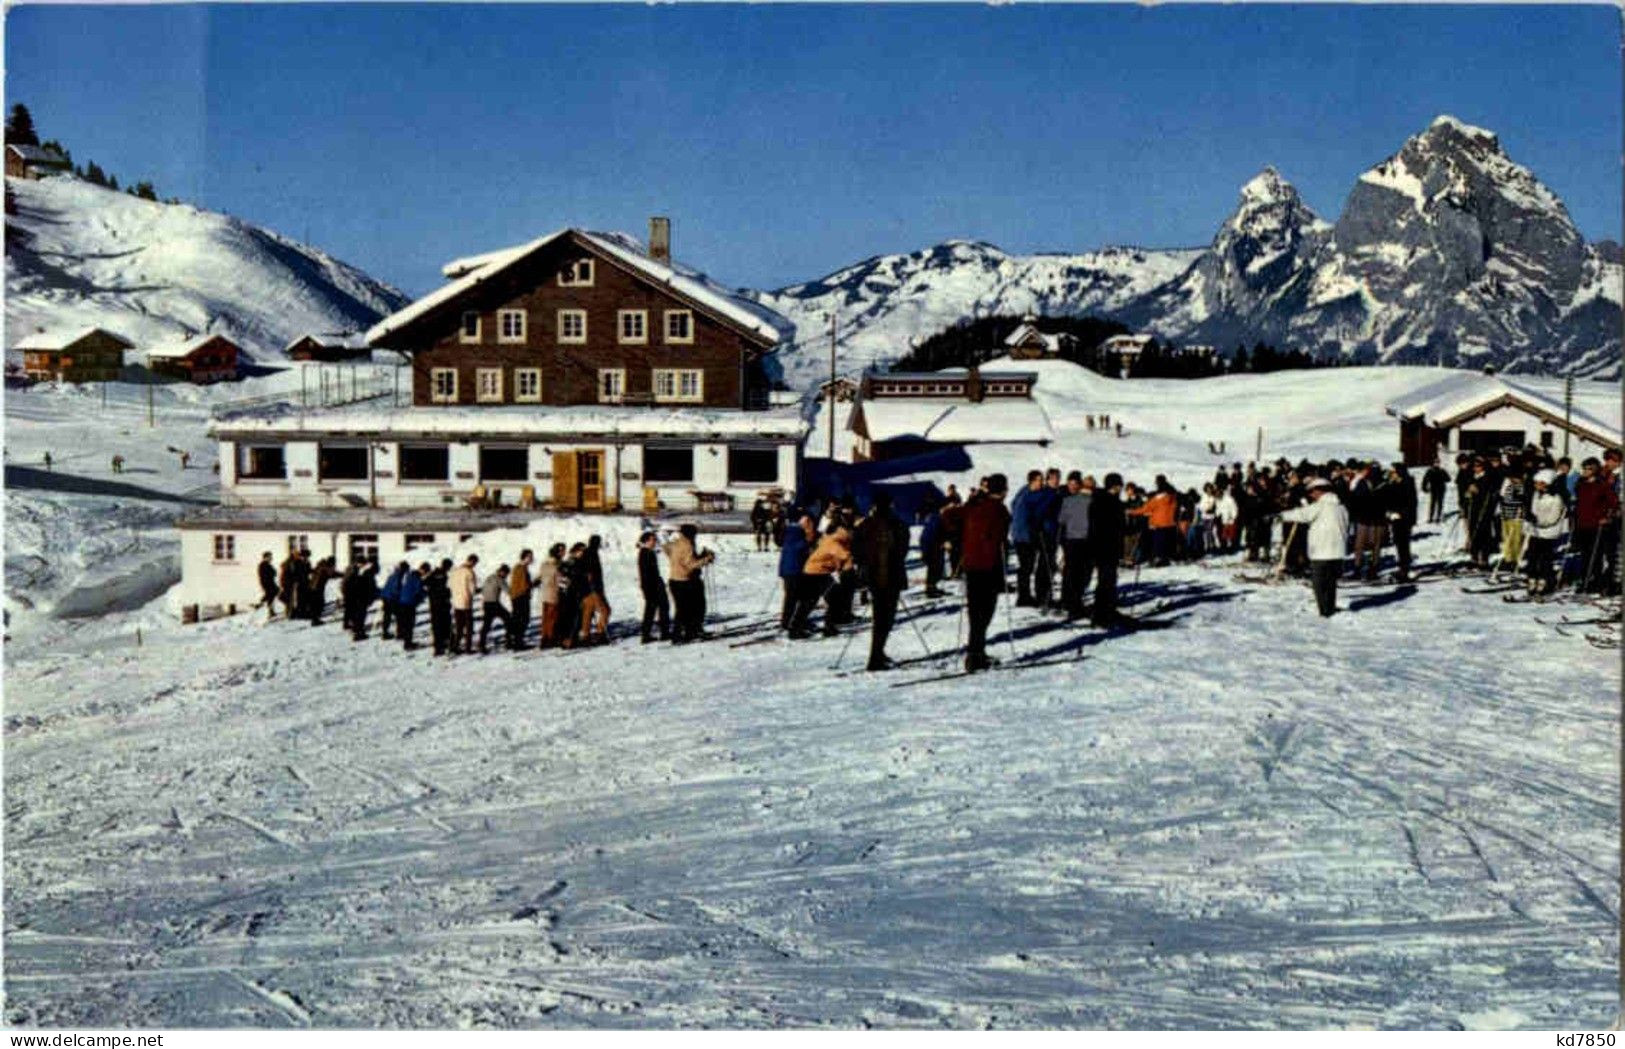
x,y
1405,816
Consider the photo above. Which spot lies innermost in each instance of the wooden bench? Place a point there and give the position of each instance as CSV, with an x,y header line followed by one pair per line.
x,y
712,502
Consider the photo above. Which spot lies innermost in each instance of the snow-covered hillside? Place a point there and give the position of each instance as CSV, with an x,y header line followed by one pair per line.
x,y
1405,816
883,304
1447,252
79,255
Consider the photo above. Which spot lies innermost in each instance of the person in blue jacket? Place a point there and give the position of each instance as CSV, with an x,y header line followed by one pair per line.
x,y
390,592
1030,513
406,604
799,535
931,540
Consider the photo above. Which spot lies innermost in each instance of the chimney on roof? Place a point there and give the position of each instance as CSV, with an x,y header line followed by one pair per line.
x,y
660,239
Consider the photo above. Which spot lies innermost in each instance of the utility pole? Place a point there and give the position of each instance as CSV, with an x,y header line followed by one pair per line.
x,y
1568,410
1258,449
833,322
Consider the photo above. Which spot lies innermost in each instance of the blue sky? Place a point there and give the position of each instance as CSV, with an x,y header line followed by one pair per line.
x,y
787,141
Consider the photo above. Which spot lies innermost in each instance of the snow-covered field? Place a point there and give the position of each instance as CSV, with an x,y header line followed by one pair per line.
x,y
1404,816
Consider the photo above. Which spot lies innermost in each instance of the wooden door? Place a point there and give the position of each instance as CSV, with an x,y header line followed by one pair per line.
x,y
566,482
590,465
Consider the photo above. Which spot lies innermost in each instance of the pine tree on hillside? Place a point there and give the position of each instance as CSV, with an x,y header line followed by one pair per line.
x,y
112,182
94,174
52,143
20,127
144,190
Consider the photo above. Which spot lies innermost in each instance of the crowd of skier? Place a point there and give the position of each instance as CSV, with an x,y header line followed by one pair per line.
x,y
575,609
1521,513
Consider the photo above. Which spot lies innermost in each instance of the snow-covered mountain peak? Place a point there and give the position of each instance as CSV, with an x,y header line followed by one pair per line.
x,y
1267,187
1270,207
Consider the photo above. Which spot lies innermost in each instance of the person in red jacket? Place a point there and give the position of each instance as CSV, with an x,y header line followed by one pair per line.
x,y
1596,507
986,527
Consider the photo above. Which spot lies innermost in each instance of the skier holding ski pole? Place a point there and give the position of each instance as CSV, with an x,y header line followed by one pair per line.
x,y
986,526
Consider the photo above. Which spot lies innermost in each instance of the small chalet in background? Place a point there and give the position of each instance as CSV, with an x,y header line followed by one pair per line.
x,y
1479,413
33,161
1029,343
203,358
845,388
81,355
899,414
330,346
1125,350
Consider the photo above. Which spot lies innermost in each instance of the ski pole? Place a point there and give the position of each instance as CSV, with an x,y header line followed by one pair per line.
x,y
914,622
1280,565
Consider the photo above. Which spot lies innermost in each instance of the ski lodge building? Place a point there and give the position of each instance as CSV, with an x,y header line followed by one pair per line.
x,y
329,347
83,355
576,372
899,414
201,359
1479,413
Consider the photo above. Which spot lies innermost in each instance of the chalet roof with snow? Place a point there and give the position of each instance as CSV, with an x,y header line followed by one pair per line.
x,y
954,420
759,324
61,339
1460,398
180,350
332,340
37,154
1126,343
1029,334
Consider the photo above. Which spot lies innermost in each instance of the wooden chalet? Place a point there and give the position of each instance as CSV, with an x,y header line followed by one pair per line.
x,y
328,347
83,355
201,359
33,161
1480,413
578,318
1029,343
1124,350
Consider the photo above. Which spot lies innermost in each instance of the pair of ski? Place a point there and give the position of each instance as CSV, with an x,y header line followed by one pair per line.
x,y
1019,664
1128,626
1563,621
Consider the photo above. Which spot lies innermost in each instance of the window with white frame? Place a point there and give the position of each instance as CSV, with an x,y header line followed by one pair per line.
x,y
363,549
417,539
470,331
679,326
634,326
488,385
225,548
261,462
297,543
679,384
572,325
443,385
611,385
527,384
510,325
576,273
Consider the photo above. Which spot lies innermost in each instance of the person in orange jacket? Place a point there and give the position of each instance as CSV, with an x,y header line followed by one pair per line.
x,y
1161,513
822,578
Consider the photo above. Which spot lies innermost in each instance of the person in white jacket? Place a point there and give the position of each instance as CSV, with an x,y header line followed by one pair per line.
x,y
1229,514
1547,518
1328,521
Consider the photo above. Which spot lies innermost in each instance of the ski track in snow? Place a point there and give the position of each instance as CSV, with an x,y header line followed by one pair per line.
x,y
1253,819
